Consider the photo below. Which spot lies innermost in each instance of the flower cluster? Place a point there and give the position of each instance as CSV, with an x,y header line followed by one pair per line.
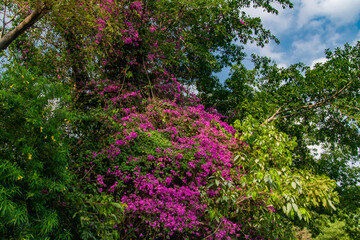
x,y
160,159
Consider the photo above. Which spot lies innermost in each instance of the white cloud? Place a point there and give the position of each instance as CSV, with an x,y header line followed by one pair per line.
x,y
309,14
339,12
318,60
282,65
277,23
311,45
308,29
268,51
308,48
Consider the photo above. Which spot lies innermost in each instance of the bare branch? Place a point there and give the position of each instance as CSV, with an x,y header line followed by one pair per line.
x,y
273,117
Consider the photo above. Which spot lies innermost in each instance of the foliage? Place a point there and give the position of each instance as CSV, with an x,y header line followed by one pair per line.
x,y
147,160
187,39
167,168
33,166
317,107
271,175
333,230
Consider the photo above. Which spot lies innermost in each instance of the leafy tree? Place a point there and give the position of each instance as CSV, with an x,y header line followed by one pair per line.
x,y
271,175
147,159
33,166
191,40
333,230
317,107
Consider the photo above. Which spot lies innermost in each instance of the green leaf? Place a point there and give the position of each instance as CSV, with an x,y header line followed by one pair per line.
x,y
331,205
288,208
212,214
117,205
253,195
295,207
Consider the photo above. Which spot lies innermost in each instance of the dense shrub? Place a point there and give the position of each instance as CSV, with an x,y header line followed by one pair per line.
x,y
33,157
160,165
166,168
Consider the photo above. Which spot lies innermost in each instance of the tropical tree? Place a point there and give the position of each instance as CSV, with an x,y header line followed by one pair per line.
x,y
192,40
318,107
147,159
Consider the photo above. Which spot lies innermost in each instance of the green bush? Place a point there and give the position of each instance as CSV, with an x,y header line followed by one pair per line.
x,y
33,156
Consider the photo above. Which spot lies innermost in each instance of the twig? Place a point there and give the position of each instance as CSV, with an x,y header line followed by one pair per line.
x,y
4,17
307,107
94,203
122,84
14,16
213,232
147,75
356,108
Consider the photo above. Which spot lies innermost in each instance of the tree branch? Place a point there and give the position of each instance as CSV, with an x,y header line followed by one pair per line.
x,y
307,107
356,108
14,16
273,117
28,22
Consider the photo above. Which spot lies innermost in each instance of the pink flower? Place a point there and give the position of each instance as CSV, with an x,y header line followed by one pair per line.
x,y
152,29
133,134
127,40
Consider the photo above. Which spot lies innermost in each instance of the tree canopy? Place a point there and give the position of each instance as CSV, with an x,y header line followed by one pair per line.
x,y
102,137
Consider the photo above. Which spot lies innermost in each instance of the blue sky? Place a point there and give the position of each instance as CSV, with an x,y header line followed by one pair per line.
x,y
306,30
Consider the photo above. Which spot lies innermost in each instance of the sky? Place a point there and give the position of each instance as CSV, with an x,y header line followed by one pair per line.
x,y
306,30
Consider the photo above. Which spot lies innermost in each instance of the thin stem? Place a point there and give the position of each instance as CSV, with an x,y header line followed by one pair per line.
x,y
307,107
213,232
147,75
4,17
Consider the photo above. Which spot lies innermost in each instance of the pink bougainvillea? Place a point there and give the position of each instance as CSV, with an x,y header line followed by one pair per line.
x,y
161,158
